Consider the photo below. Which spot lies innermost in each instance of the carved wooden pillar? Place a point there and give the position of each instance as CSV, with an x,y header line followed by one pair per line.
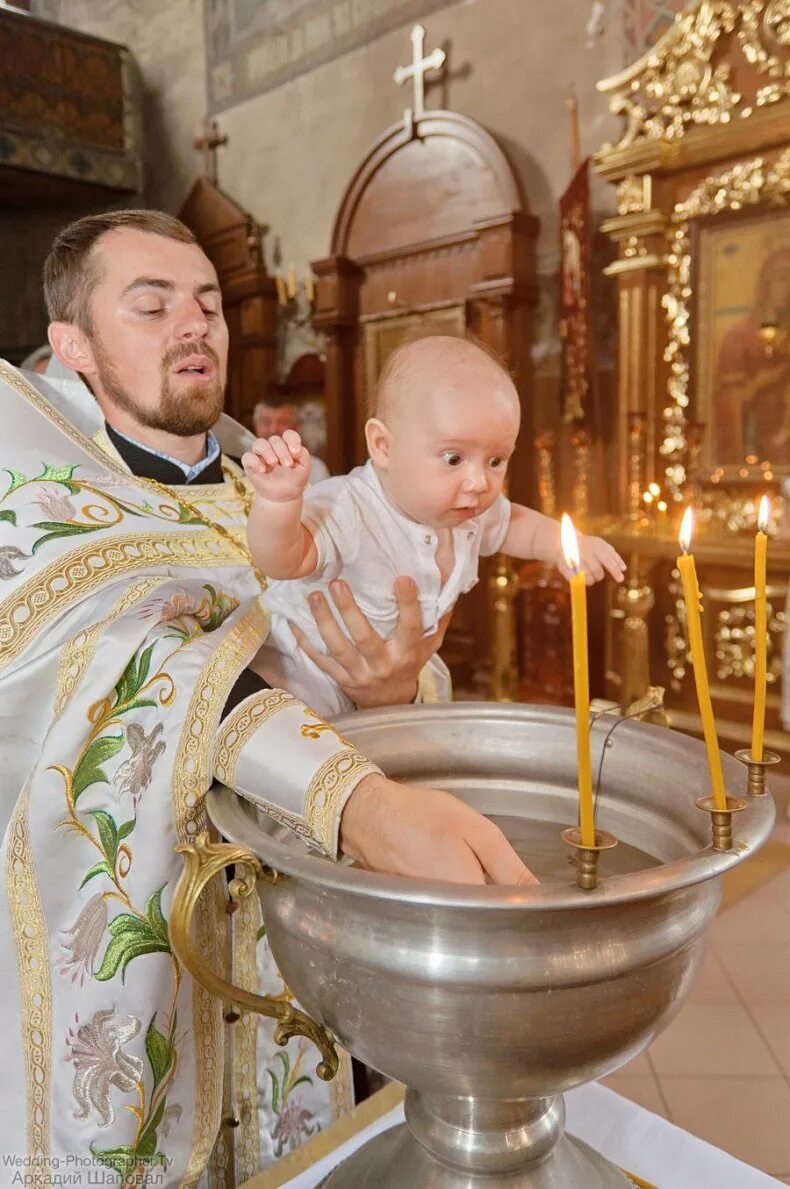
x,y
500,314
336,314
639,231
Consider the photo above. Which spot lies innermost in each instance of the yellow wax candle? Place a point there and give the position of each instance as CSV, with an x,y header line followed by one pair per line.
x,y
760,628
693,598
581,680
282,296
291,281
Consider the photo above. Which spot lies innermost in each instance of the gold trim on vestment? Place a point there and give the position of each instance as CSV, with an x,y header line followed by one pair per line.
x,y
243,722
33,966
25,389
78,573
329,789
341,1088
245,925
192,770
77,654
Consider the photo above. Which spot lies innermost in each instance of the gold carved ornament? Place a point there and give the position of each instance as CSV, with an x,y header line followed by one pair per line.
x,y
734,640
733,635
746,184
202,861
764,29
676,85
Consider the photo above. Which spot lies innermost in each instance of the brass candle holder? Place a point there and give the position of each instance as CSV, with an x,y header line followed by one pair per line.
x,y
586,857
721,819
755,785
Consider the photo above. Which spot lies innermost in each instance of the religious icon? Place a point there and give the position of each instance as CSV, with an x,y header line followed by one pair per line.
x,y
742,324
571,267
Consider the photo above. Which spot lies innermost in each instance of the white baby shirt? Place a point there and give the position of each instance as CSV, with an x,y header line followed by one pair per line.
x,y
360,536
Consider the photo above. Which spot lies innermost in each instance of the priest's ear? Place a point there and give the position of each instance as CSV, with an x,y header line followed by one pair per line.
x,y
379,440
72,347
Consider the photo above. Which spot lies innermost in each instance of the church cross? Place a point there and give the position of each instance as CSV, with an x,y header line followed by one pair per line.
x,y
419,68
208,143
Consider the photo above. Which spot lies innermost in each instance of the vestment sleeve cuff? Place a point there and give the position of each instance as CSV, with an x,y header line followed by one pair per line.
x,y
280,755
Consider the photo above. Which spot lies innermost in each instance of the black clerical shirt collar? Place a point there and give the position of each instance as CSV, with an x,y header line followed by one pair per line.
x,y
151,464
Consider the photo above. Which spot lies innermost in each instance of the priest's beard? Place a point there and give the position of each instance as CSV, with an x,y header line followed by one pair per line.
x,y
186,411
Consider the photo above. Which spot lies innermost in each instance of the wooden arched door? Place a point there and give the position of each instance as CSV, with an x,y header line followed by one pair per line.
x,y
433,226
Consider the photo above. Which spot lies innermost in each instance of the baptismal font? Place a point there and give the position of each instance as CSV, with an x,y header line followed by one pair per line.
x,y
489,1002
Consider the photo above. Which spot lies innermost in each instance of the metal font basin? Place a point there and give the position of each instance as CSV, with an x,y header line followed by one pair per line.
x,y
489,1002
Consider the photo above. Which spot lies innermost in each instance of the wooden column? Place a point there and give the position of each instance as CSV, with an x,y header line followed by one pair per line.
x,y
640,271
500,314
336,314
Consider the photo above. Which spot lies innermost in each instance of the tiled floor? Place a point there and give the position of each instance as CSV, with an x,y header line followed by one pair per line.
x,y
722,1068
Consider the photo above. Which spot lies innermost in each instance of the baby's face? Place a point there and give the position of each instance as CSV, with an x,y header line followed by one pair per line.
x,y
450,449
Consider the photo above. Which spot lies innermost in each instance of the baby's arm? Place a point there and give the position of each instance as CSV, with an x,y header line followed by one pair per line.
x,y
279,470
533,535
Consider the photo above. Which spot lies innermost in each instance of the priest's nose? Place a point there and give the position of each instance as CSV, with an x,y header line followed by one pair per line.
x,y
191,322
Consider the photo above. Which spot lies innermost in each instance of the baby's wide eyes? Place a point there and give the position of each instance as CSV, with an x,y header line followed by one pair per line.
x,y
452,458
497,463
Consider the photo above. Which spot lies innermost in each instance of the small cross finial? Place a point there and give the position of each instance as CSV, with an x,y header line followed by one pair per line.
x,y
419,67
208,143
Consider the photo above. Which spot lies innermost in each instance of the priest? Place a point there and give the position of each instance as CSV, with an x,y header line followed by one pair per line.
x,y
130,615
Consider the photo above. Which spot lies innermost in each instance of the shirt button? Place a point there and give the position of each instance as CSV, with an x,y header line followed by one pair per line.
x,y
428,539
470,534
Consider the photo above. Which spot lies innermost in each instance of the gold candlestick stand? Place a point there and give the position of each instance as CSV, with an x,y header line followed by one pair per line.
x,y
721,819
586,857
755,784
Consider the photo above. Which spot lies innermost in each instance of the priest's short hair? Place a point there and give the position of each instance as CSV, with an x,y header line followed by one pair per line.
x,y
70,272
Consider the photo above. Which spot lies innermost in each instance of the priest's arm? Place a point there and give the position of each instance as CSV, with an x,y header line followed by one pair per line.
x,y
278,754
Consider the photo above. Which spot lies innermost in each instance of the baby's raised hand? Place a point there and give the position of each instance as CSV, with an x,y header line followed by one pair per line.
x,y
278,467
596,556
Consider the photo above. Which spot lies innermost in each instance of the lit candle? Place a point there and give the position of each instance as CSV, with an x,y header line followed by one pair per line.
x,y
691,593
760,628
291,281
581,679
279,281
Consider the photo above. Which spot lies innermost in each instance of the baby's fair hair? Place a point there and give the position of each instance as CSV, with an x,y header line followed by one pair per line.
x,y
408,361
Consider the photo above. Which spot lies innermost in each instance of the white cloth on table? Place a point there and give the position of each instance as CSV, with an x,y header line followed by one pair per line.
x,y
361,537
627,1134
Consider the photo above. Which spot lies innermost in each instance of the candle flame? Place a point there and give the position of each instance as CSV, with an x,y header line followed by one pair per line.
x,y
764,515
570,544
686,529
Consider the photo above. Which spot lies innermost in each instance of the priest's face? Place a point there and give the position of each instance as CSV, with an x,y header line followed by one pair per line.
x,y
158,338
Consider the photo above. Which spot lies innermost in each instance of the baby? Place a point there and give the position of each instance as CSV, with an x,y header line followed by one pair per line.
x,y
428,503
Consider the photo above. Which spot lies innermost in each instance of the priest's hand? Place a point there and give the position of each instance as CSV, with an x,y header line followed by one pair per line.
x,y
278,467
401,829
372,671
